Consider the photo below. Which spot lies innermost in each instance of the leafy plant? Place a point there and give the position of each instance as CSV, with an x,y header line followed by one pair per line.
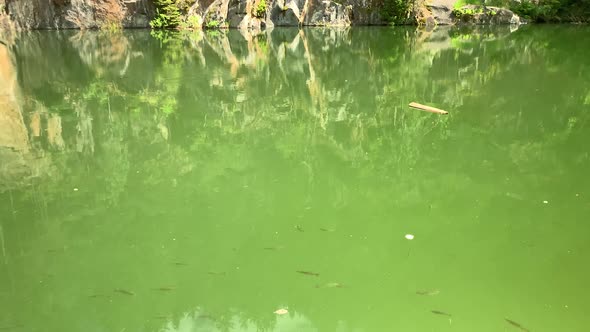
x,y
213,24
467,13
192,22
167,15
543,11
395,11
260,10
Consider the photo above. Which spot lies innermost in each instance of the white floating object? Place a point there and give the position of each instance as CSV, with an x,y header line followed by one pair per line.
x,y
409,236
545,202
281,312
75,189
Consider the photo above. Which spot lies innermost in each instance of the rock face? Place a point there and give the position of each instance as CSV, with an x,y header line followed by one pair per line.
x,y
67,14
241,13
328,13
245,14
480,15
441,14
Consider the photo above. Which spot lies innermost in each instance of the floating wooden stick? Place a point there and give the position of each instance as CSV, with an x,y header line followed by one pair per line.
x,y
428,108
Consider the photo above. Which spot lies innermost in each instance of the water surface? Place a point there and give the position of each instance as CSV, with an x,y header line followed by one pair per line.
x,y
178,182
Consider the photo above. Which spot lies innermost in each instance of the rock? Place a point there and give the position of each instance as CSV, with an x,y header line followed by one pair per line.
x,y
138,13
237,14
328,13
317,13
286,13
65,14
480,15
367,12
441,15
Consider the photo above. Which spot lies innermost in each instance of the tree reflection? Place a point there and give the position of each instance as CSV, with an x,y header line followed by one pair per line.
x,y
327,92
235,321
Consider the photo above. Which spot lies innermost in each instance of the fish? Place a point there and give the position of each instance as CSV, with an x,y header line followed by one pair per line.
x,y
514,196
96,295
442,313
326,230
216,273
180,264
273,248
330,285
431,292
299,228
309,273
124,291
515,324
164,289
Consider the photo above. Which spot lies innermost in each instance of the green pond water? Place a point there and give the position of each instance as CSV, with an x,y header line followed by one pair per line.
x,y
178,182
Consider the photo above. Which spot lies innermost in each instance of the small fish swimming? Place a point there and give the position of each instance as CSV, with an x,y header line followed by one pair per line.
x,y
180,264
326,230
515,324
431,292
330,285
309,273
515,196
274,248
216,273
442,313
299,228
123,291
164,289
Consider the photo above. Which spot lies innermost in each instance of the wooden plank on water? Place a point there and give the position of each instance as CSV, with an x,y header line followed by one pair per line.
x,y
427,108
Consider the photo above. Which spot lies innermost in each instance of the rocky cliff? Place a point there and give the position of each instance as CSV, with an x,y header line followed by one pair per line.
x,y
245,14
68,14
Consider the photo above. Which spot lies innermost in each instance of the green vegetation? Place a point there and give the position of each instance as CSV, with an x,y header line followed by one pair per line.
x,y
396,11
260,10
466,13
192,22
167,15
213,24
534,11
460,3
543,11
173,14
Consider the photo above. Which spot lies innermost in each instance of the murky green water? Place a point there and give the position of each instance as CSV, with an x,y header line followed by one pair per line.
x,y
179,184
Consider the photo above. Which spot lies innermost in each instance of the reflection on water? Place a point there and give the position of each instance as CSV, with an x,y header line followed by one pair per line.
x,y
199,320
206,169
